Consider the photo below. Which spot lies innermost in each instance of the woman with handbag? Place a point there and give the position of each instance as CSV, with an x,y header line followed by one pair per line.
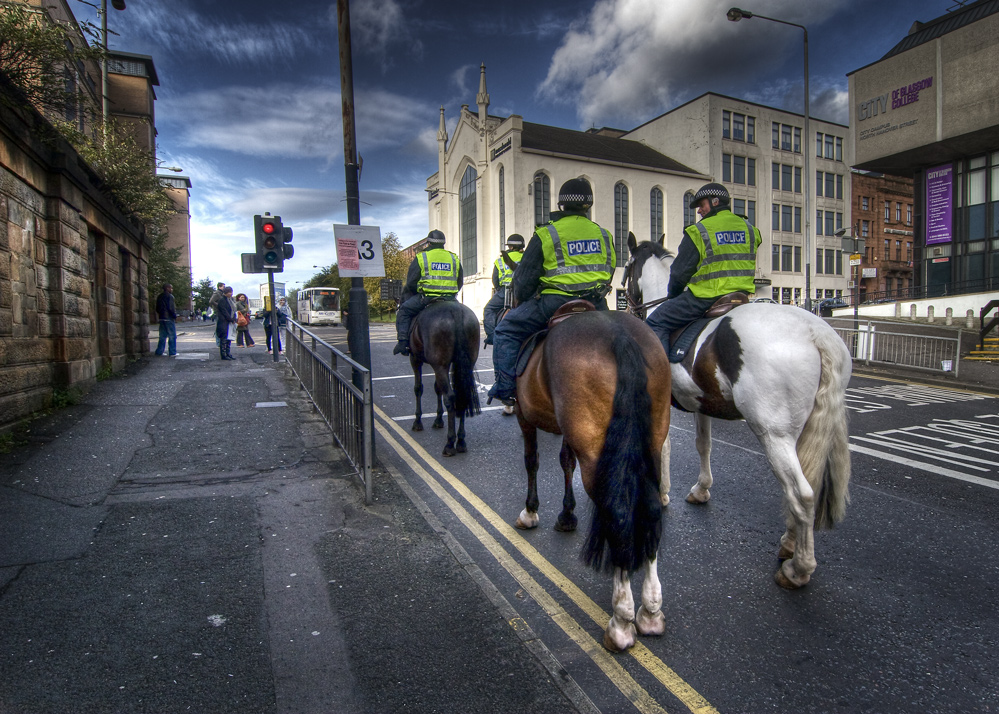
x,y
243,322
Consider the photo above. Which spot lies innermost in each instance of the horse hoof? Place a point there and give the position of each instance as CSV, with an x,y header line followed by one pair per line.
x,y
664,499
785,582
449,451
417,425
697,500
620,639
526,520
460,446
438,424
649,624
565,525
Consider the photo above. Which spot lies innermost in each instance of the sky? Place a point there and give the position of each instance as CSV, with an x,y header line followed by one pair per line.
x,y
249,107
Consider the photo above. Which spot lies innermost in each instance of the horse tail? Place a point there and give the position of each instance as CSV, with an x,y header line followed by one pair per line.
x,y
627,516
823,447
466,391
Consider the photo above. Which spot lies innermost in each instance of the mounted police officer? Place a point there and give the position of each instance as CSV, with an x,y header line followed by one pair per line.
x,y
434,274
571,257
502,277
717,256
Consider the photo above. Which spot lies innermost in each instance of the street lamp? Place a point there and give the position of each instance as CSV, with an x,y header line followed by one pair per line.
x,y
735,14
105,104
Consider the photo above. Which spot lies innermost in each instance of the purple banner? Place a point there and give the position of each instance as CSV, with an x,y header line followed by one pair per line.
x,y
939,202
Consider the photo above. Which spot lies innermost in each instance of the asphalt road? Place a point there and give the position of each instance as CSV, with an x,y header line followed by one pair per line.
x,y
898,617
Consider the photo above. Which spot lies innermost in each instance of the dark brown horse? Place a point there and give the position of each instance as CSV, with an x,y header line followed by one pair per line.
x,y
601,379
445,335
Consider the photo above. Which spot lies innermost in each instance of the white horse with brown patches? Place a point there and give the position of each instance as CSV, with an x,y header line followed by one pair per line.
x,y
784,371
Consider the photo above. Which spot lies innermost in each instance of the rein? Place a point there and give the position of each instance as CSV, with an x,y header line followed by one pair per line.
x,y
635,308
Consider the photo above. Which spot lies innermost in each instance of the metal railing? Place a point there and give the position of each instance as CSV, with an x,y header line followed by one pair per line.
x,y
897,345
921,292
343,401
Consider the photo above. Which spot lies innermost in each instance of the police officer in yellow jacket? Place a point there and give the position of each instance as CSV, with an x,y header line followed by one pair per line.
x,y
717,255
502,277
571,257
434,274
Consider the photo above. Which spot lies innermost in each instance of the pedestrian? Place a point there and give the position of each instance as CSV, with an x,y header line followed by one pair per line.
x,y
571,257
243,336
434,274
213,309
717,256
166,315
283,313
502,277
225,326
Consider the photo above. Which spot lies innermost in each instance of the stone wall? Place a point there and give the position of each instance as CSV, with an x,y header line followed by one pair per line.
x,y
73,293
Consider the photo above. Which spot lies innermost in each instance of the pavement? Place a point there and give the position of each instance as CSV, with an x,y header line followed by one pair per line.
x,y
186,537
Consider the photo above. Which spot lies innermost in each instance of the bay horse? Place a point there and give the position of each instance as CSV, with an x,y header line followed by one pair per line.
x,y
601,380
445,335
783,370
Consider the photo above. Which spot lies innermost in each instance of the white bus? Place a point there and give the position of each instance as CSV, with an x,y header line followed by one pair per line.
x,y
319,306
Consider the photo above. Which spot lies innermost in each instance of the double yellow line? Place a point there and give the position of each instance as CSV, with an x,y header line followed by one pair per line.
x,y
642,700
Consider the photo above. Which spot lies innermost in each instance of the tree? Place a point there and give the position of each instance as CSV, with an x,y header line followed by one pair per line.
x,y
202,294
41,58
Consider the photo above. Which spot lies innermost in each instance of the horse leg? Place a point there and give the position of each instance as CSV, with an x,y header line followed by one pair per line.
x,y
664,481
797,543
459,445
418,391
620,633
699,492
528,518
439,421
566,520
650,619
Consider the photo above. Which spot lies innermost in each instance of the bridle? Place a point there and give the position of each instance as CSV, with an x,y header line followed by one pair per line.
x,y
634,307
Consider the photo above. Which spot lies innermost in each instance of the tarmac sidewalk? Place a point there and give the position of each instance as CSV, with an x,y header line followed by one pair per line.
x,y
187,538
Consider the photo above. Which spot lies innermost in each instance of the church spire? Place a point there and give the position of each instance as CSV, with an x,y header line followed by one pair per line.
x,y
482,98
442,130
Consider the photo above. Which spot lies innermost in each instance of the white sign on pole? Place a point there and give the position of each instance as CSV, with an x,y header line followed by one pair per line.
x,y
359,251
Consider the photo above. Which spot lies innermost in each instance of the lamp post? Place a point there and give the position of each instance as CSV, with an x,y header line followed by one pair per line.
x,y
857,244
735,14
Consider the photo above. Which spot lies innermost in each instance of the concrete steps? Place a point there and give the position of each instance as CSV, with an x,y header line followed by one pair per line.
x,y
988,354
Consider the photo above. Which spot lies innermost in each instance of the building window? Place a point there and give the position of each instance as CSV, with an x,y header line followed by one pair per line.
x,y
908,214
751,211
621,221
656,213
775,135
738,127
830,223
898,250
738,169
839,186
502,205
898,212
797,140
818,183
865,203
887,211
786,258
775,258
726,124
785,219
467,213
818,223
797,179
908,251
689,212
828,146
839,149
786,178
727,168
797,219
542,199
865,229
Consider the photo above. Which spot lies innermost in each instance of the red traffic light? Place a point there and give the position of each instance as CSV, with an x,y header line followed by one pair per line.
x,y
267,228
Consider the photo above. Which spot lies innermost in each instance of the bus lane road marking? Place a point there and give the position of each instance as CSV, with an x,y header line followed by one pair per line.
x,y
962,449
595,650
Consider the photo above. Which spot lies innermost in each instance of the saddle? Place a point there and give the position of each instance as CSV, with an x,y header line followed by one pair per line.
x,y
682,339
567,310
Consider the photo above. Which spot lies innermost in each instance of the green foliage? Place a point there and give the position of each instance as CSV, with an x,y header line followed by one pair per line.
x,y
106,372
37,56
62,398
202,294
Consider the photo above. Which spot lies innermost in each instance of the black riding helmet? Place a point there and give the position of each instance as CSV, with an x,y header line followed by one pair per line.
x,y
711,191
515,241
576,194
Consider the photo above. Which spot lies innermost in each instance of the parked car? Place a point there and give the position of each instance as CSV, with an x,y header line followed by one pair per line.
x,y
827,306
259,314
769,300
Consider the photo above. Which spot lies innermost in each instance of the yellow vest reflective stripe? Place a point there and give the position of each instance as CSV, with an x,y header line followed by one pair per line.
x,y
438,272
579,256
727,245
505,274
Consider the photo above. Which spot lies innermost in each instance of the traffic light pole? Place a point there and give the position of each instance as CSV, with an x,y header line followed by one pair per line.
x,y
358,339
275,326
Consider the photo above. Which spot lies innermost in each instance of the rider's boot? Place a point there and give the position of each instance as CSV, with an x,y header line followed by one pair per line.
x,y
504,391
401,348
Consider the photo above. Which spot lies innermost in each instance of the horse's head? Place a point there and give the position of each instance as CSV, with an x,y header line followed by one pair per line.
x,y
640,274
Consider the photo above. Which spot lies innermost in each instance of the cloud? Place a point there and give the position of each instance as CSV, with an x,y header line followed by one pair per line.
x,y
292,121
182,28
629,60
377,27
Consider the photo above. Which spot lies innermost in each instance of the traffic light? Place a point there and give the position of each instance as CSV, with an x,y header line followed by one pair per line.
x,y
267,231
285,242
